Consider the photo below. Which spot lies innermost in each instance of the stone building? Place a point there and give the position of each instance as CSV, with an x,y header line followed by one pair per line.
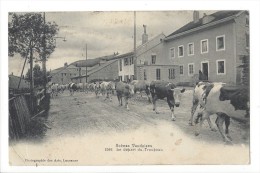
x,y
212,44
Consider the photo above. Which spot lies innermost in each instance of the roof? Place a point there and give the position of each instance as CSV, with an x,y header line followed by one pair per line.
x,y
191,25
14,81
97,69
92,62
124,55
86,63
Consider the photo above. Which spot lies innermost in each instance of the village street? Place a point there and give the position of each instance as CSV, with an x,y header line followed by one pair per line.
x,y
84,113
90,131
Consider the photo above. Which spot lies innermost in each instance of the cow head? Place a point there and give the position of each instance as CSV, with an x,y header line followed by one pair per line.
x,y
112,85
177,95
130,89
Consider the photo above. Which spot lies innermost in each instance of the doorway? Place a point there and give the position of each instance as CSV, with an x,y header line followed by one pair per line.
x,y
205,70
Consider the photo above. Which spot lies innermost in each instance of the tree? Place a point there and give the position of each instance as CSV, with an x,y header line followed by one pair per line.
x,y
38,75
26,35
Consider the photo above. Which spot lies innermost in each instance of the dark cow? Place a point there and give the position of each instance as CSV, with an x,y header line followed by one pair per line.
x,y
164,89
227,102
142,86
72,88
124,90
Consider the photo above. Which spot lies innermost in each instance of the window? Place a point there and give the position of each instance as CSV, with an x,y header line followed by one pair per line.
x,y
158,74
181,70
131,60
120,65
180,51
247,40
190,49
204,46
126,61
220,43
221,69
145,77
153,59
171,73
190,69
172,53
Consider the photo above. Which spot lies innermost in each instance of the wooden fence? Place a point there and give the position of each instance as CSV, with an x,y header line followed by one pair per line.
x,y
20,114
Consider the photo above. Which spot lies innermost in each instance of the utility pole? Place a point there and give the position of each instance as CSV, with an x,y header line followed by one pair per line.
x,y
86,63
135,58
31,80
44,56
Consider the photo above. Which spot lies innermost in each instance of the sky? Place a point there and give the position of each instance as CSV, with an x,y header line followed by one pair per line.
x,y
104,33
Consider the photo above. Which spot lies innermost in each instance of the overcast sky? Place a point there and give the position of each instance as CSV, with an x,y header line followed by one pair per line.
x,y
104,33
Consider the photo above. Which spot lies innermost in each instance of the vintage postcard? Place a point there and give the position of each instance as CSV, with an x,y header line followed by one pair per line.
x,y
113,88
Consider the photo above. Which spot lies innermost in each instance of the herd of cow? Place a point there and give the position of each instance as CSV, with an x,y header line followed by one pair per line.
x,y
208,99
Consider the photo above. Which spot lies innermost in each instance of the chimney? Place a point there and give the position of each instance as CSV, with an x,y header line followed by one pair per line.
x,y
196,16
207,18
144,36
65,64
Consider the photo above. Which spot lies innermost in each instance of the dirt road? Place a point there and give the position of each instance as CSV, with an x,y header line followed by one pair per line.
x,y
91,131
84,113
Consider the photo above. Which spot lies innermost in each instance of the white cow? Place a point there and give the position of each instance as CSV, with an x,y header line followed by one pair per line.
x,y
107,88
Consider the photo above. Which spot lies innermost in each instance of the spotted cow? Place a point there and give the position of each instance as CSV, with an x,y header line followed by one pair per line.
x,y
107,89
72,88
124,90
201,90
225,101
142,86
164,89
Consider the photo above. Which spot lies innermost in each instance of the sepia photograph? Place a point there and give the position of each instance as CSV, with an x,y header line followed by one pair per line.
x,y
129,87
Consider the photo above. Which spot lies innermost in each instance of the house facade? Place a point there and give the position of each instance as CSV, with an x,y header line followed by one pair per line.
x,y
152,64
106,71
64,74
126,67
212,44
15,80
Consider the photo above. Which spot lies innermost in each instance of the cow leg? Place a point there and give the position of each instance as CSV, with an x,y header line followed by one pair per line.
x,y
149,98
173,116
154,104
210,125
220,121
110,96
200,117
193,109
119,100
171,105
126,102
227,123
